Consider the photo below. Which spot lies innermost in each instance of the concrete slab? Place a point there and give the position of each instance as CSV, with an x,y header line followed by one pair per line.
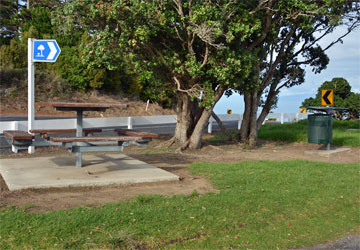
x,y
98,170
328,153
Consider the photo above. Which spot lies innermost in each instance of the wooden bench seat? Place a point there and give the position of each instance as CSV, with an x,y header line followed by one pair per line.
x,y
44,132
18,135
144,135
96,139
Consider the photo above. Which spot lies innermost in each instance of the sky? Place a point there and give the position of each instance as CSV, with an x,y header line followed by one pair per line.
x,y
344,62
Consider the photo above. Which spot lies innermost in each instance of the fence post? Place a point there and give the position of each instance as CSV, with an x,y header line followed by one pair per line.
x,y
15,125
210,125
282,118
130,125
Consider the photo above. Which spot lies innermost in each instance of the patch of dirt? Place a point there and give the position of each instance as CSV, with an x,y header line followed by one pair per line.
x,y
66,198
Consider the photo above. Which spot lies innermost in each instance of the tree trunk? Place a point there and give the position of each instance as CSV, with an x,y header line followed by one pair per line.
x,y
192,120
195,139
248,130
266,109
245,123
252,140
183,119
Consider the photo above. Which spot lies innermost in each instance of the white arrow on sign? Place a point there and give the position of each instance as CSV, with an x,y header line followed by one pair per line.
x,y
53,51
45,50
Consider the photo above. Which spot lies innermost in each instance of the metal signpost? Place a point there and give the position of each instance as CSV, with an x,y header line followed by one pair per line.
x,y
38,51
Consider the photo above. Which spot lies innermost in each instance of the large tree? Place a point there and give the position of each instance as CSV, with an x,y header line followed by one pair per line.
x,y
194,51
9,20
186,50
289,40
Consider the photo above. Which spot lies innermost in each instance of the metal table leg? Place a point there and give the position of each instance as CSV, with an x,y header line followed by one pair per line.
x,y
79,128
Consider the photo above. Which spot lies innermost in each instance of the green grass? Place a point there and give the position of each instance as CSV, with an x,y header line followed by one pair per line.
x,y
345,133
261,205
297,132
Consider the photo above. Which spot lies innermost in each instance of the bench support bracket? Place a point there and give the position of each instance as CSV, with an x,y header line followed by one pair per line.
x,y
82,149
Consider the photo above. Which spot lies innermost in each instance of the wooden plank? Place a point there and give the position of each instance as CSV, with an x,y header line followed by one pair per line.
x,y
136,133
81,105
18,135
60,131
95,139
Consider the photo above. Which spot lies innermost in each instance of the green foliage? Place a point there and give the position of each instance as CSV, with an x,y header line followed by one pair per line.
x,y
38,18
12,55
260,205
343,97
10,20
69,67
152,37
37,22
12,77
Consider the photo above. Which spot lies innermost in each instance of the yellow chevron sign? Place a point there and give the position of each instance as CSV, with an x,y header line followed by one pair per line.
x,y
327,97
228,111
303,110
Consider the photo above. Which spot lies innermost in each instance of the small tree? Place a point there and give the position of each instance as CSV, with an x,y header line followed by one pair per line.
x,y
343,98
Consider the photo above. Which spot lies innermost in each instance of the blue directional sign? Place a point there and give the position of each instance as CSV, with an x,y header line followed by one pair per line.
x,y
45,51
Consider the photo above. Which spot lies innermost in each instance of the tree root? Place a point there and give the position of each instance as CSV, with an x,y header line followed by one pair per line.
x,y
179,148
166,144
183,147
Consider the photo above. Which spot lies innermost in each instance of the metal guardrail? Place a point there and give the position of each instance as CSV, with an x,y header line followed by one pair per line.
x,y
129,122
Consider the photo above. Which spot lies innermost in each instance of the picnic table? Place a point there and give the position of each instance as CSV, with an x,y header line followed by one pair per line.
x,y
80,143
80,108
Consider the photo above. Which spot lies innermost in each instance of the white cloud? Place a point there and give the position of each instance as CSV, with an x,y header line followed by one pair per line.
x,y
344,62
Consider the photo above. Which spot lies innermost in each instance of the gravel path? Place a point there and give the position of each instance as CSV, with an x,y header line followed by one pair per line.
x,y
351,242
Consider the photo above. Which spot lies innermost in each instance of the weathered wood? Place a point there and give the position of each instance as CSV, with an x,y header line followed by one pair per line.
x,y
60,131
18,135
81,105
141,134
95,139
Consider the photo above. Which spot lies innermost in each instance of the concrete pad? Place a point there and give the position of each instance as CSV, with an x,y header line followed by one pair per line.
x,y
98,170
328,153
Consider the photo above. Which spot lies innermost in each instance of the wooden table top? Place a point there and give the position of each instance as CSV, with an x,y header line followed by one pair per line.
x,y
81,105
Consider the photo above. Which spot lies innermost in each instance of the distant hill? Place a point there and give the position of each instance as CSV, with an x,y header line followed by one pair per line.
x,y
13,101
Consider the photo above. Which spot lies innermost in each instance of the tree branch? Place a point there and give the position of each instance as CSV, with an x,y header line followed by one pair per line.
x,y
259,7
352,27
268,22
272,67
221,125
206,56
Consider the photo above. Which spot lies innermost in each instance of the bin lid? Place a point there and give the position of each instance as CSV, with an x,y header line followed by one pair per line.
x,y
328,110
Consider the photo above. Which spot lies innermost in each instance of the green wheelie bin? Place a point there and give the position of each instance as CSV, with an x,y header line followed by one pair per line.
x,y
320,128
